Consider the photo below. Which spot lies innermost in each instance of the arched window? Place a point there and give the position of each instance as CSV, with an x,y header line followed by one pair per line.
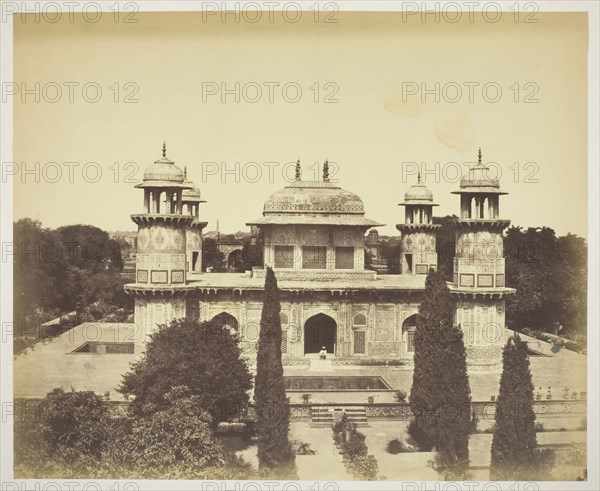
x,y
408,333
283,317
359,320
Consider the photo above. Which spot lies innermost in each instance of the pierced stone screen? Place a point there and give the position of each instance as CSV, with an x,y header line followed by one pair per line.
x,y
344,258
359,342
314,257
284,256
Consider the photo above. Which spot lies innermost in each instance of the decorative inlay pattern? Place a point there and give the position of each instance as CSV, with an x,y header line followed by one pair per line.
x,y
159,277
485,280
467,280
177,276
142,276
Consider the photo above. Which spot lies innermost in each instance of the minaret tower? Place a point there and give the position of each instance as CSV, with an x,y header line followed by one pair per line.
x,y
479,279
161,247
191,203
417,245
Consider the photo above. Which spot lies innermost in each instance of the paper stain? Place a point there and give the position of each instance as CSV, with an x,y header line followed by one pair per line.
x,y
455,129
401,99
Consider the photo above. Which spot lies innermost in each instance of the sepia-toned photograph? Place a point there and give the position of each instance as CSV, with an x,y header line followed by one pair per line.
x,y
299,245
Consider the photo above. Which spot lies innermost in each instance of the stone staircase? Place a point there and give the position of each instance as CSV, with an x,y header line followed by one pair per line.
x,y
317,365
325,415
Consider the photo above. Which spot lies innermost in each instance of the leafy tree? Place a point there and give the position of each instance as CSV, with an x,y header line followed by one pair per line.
x,y
514,452
175,442
275,454
74,421
550,275
205,357
36,271
57,271
212,257
390,251
252,252
440,393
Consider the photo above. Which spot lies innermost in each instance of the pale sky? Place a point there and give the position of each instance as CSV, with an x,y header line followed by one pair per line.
x,y
365,61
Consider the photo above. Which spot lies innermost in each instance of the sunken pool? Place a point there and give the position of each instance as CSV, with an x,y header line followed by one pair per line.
x,y
320,383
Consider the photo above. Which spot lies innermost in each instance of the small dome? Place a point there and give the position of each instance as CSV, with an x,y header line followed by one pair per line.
x,y
163,173
192,194
418,194
480,179
479,176
163,170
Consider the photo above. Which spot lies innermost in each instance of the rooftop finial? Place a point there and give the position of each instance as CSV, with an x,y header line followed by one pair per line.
x,y
185,172
164,149
326,171
418,178
298,170
479,156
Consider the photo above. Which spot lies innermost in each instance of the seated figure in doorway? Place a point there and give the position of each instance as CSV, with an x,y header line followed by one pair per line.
x,y
323,353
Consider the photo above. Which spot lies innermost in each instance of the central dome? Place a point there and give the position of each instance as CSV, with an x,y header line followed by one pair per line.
x,y
313,197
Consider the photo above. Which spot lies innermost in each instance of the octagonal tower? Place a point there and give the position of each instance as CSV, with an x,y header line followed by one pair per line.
x,y
191,203
417,243
161,248
479,277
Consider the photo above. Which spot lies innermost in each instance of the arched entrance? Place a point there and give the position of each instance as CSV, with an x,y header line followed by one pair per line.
x,y
225,319
320,330
234,260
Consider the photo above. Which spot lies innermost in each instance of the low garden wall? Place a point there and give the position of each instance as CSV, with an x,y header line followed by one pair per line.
x,y
393,411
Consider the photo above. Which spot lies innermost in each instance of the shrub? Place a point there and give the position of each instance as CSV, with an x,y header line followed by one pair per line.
x,y
365,467
355,446
400,395
74,421
395,447
341,428
303,448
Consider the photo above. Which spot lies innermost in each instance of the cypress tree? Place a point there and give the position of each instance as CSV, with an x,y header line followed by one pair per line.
x,y
440,394
276,457
514,445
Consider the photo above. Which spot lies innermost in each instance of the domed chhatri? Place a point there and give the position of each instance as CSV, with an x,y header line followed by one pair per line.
x,y
418,242
163,173
161,240
192,193
479,179
190,200
479,193
418,194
